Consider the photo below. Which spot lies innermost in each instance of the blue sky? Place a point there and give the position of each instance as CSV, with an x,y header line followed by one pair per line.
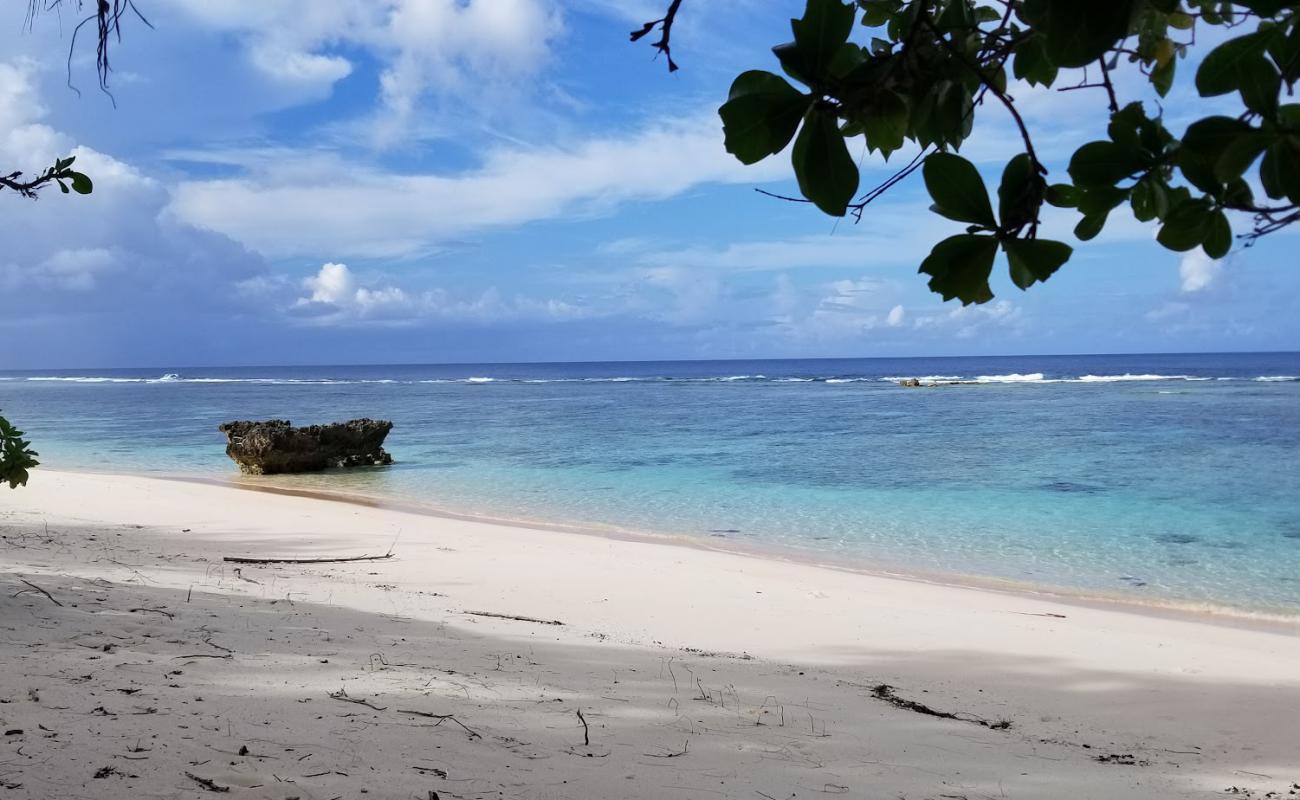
x,y
371,181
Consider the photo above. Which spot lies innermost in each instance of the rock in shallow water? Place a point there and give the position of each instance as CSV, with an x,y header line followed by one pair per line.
x,y
269,447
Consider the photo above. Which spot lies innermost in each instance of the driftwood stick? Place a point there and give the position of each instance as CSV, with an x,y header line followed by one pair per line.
x,y
473,734
38,589
339,560
514,617
167,614
586,731
342,694
207,783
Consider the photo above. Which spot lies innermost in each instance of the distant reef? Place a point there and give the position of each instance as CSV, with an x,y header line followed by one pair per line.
x,y
274,446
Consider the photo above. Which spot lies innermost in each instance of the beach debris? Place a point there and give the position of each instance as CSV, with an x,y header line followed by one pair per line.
x,y
164,612
342,694
885,692
1123,759
35,588
586,730
270,447
207,783
513,617
108,772
324,560
473,734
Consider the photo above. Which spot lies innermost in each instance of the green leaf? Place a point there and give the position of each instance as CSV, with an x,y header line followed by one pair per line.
x,y
1226,146
1104,163
957,14
1033,260
1144,207
1090,226
1220,72
1101,199
876,13
886,123
822,164
825,26
794,63
1218,236
1062,195
1079,32
960,267
1020,194
81,183
761,115
1032,64
1185,227
1162,77
1259,83
957,189
1280,171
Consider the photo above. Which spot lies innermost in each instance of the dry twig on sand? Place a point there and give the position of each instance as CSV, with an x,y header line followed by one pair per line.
x,y
473,734
513,617
207,783
342,694
328,560
37,589
586,731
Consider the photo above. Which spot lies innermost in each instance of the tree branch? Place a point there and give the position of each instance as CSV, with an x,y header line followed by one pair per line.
x,y
25,188
665,25
990,86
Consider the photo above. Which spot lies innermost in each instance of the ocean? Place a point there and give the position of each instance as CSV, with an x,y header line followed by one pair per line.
x,y
1159,479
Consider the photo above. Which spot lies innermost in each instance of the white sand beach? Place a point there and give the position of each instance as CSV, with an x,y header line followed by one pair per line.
x,y
136,662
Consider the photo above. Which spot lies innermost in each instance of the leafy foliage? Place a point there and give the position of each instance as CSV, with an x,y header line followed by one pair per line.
x,y
919,70
16,457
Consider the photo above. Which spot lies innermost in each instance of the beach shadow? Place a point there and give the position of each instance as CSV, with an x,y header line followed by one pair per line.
x,y
127,688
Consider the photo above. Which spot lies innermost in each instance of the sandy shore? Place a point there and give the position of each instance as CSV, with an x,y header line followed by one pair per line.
x,y
154,668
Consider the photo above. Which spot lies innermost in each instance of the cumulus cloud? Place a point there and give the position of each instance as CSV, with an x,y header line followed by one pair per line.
x,y
114,251
1198,272
966,322
455,47
335,295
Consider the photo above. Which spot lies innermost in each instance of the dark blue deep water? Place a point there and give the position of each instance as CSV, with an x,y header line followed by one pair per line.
x,y
1163,478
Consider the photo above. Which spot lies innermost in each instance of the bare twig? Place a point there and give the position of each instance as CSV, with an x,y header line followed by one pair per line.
x,y
167,614
38,589
342,694
514,617
665,25
586,730
207,783
685,747
334,560
886,692
473,734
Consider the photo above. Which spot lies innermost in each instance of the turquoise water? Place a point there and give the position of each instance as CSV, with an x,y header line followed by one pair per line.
x,y
1169,478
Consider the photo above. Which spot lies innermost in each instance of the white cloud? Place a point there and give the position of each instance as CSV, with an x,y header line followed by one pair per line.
x,y
966,322
462,48
336,296
1198,271
895,317
70,243
315,204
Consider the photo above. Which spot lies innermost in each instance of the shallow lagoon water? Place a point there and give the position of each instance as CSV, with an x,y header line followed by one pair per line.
x,y
1164,478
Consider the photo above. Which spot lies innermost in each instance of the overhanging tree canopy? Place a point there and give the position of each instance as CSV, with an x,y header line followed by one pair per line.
x,y
918,70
